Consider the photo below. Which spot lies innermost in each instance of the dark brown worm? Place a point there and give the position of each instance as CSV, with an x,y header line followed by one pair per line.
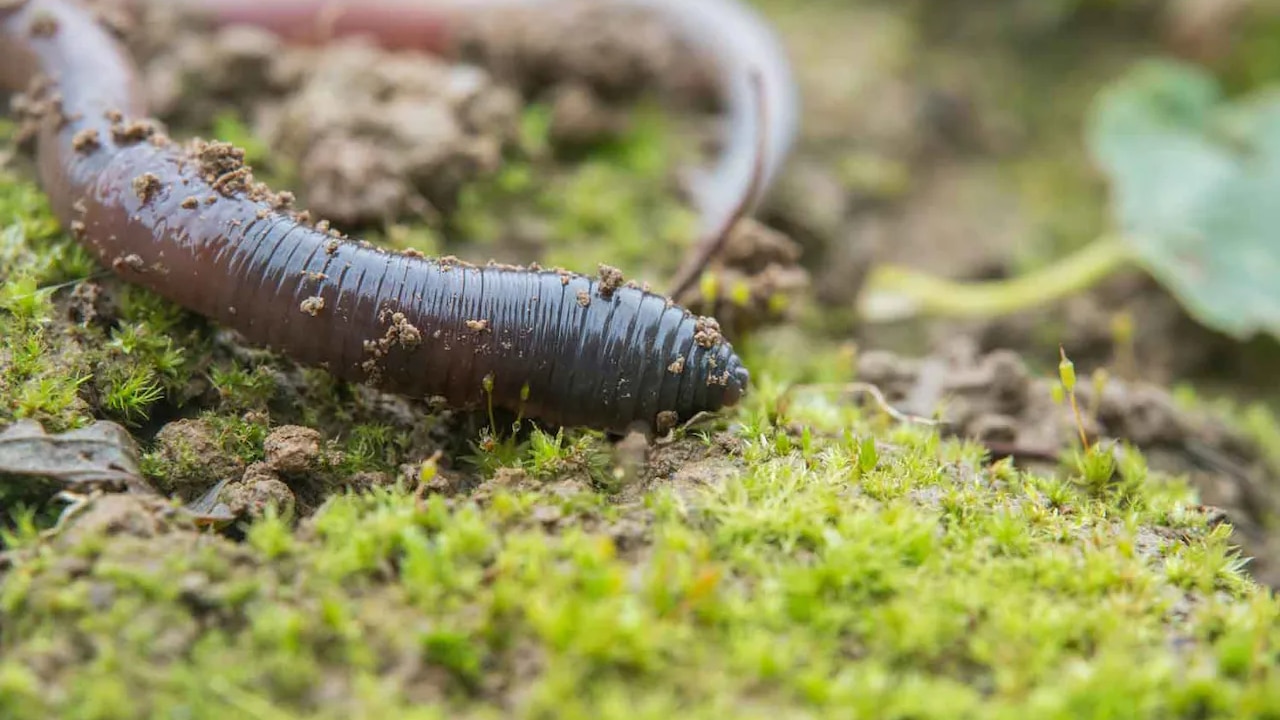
x,y
190,224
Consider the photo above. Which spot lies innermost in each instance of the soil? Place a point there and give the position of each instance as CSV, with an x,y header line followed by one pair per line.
x,y
370,135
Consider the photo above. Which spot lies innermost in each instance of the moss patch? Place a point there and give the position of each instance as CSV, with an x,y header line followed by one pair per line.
x,y
814,572
612,202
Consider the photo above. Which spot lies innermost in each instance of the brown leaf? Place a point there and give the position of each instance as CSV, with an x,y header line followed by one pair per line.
x,y
101,453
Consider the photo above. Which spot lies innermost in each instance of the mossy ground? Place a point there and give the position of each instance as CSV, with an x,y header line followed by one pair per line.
x,y
792,559
823,561
856,568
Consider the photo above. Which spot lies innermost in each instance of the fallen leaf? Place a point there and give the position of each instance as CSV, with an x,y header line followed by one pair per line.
x,y
101,453
1194,181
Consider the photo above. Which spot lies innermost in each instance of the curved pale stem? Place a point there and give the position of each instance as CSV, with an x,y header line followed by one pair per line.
x,y
898,293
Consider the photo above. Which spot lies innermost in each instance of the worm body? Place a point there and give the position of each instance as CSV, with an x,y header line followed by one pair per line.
x,y
190,223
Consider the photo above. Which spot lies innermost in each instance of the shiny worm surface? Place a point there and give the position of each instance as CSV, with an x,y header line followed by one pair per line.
x,y
189,223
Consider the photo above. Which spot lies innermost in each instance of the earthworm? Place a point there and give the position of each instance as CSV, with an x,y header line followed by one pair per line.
x,y
736,41
190,223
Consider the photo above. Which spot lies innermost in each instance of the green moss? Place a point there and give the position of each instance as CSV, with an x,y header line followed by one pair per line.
x,y
613,203
58,371
821,574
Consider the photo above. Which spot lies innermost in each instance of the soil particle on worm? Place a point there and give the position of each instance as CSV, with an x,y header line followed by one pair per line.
x,y
30,108
146,186
44,25
86,141
312,305
399,332
132,132
610,280
706,332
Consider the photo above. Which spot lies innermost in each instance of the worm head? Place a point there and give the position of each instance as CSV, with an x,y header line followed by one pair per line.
x,y
736,383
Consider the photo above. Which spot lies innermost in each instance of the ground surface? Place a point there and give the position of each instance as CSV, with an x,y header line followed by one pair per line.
x,y
802,556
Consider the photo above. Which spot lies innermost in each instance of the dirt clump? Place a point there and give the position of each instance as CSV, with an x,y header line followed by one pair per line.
x,y
617,52
758,279
377,136
580,119
292,450
121,514
256,490
193,457
972,391
370,134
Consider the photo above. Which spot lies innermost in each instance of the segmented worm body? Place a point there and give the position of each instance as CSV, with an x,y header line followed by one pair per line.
x,y
191,224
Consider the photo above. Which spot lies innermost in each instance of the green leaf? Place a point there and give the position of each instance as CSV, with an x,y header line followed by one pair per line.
x,y
1196,190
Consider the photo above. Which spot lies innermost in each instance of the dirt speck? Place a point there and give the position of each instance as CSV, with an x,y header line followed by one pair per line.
x,y
478,325
580,119
706,332
666,421
584,298
43,24
84,302
677,366
221,164
86,141
610,280
146,186
135,131
312,305
399,332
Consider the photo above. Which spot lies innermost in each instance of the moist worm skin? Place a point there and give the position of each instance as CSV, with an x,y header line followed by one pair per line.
x,y
564,348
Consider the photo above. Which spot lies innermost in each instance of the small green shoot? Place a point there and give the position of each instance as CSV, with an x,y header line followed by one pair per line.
x,y
1067,376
